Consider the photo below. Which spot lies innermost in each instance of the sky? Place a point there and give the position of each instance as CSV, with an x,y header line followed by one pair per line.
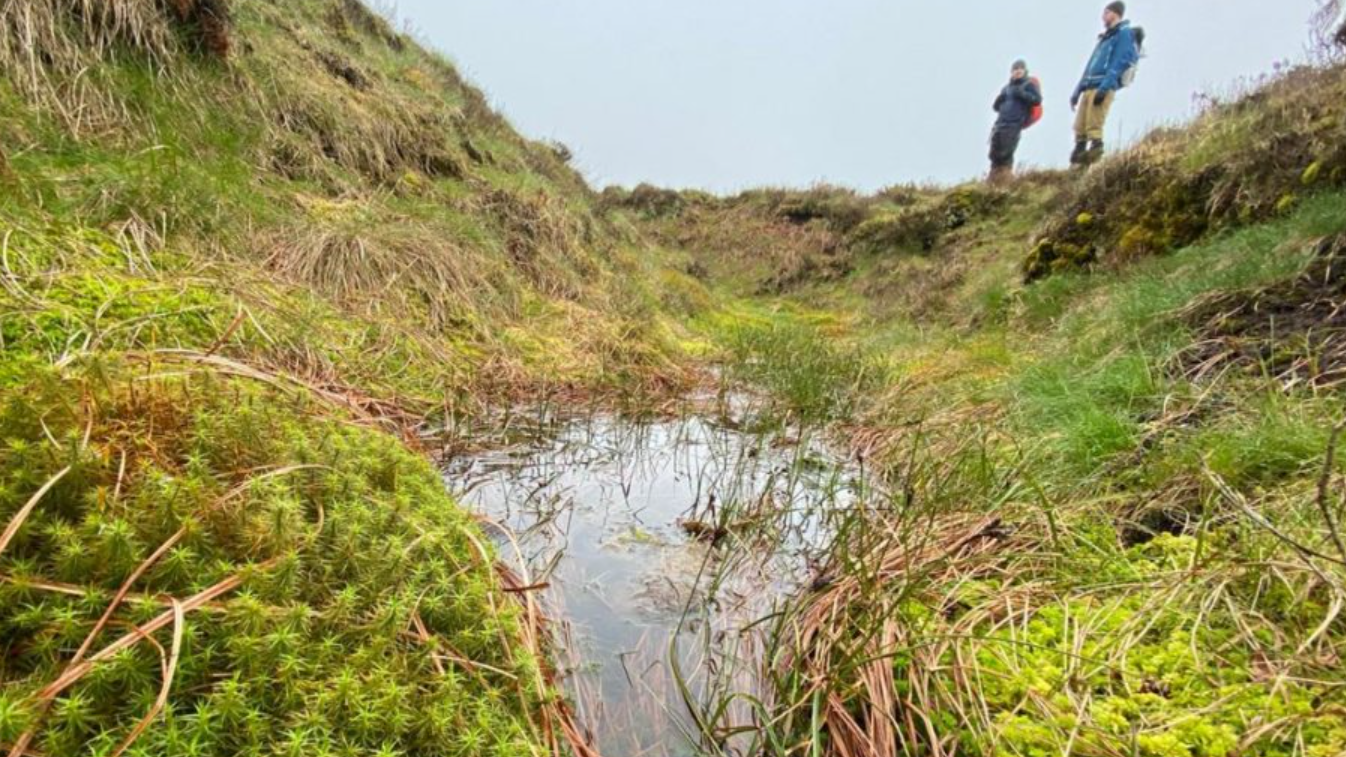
x,y
726,95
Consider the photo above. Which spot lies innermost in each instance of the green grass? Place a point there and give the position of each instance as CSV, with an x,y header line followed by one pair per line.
x,y
1273,439
340,533
1087,413
815,371
81,292
354,259
274,167
1101,372
229,291
1241,163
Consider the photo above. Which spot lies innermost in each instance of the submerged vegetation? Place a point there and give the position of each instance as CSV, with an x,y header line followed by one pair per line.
x,y
254,254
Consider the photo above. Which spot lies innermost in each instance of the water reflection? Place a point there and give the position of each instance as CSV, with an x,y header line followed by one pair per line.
x,y
665,545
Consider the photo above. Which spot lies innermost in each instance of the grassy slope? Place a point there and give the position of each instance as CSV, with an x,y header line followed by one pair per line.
x,y
1159,575
235,258
330,157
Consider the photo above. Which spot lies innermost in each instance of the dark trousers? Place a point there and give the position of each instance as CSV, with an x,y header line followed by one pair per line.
x,y
1004,143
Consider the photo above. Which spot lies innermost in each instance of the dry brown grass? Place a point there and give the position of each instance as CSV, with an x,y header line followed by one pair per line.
x,y
383,265
327,95
375,261
324,104
863,713
318,119
1293,332
737,239
547,242
563,731
846,639
55,47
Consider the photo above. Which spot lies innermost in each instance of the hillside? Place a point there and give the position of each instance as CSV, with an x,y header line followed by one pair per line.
x,y
256,257
1110,407
308,145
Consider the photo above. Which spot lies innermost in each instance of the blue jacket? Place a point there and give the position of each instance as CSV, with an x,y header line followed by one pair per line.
x,y
1116,52
1016,102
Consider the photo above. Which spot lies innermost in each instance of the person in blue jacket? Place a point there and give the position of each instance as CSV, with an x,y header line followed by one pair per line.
x,y
1115,54
1015,106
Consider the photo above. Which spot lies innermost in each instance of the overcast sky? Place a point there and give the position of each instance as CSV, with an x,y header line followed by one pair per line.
x,y
729,94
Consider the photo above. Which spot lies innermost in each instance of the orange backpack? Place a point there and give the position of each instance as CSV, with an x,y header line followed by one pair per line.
x,y
1036,114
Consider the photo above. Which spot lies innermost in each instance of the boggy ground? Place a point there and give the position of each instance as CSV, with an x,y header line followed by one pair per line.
x,y
252,250
1117,519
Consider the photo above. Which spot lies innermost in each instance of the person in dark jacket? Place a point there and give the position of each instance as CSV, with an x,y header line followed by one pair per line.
x,y
1014,106
1114,55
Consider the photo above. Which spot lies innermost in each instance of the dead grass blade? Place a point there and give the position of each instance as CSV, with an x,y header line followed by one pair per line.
x,y
557,714
75,672
17,521
123,591
862,715
169,670
385,414
41,711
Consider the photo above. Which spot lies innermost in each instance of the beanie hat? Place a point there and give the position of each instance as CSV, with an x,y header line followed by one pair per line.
x,y
1118,7
1018,64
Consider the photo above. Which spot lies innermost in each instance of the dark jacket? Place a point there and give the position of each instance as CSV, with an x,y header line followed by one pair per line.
x,y
1116,52
1016,102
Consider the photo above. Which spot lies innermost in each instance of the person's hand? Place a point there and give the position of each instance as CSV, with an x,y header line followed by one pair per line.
x,y
1100,97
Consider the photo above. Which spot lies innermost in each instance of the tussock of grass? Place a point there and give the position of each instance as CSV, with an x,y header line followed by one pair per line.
x,y
253,416
243,269
51,46
1107,568
810,367
545,242
1031,628
920,227
351,254
1289,331
394,195
213,310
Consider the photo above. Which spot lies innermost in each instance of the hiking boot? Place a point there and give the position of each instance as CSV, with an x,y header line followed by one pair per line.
x,y
1094,153
1081,148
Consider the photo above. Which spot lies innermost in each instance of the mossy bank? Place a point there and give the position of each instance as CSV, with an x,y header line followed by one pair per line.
x,y
249,251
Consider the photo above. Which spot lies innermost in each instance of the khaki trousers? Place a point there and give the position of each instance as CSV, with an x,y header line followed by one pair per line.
x,y
1090,119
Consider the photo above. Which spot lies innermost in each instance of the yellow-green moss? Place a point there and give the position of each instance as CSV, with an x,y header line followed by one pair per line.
x,y
342,537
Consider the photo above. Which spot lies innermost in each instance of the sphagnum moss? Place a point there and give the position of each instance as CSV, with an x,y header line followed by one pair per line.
x,y
367,620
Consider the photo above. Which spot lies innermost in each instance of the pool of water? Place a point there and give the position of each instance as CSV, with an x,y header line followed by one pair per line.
x,y
666,545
